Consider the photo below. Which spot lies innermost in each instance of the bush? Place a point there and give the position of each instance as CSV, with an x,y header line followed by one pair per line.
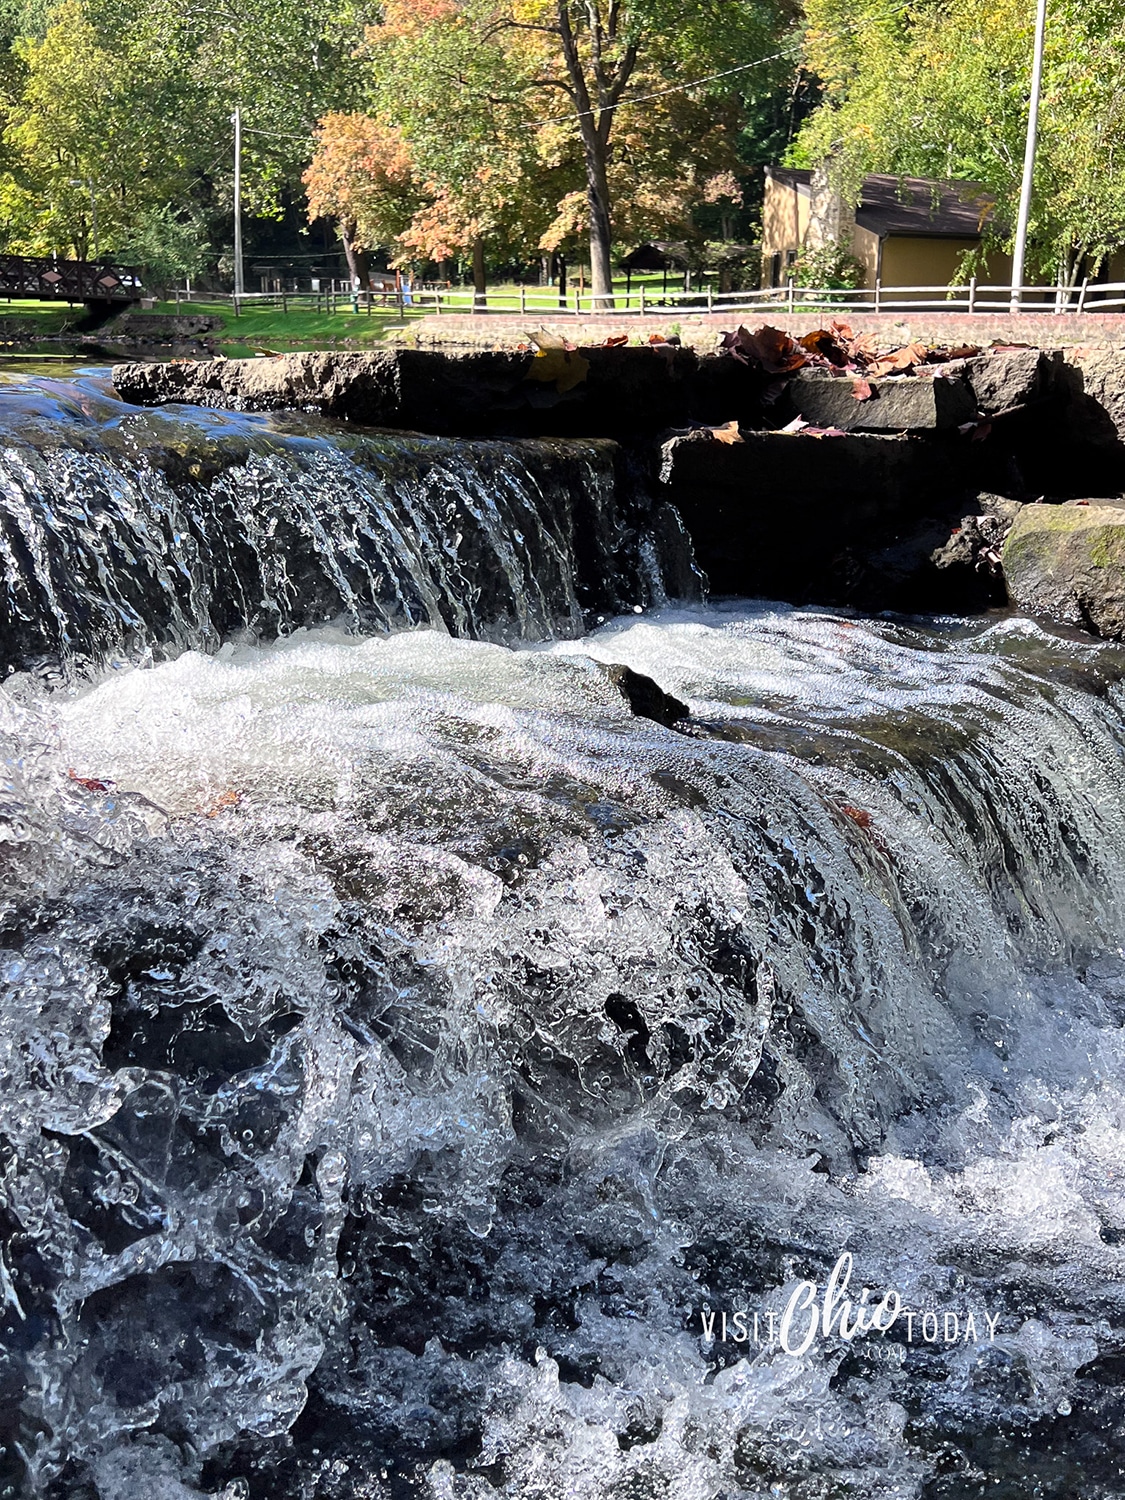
x,y
829,266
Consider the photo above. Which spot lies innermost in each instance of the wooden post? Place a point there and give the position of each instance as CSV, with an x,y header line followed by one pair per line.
x,y
710,300
878,293
1082,294
642,299
523,298
972,294
789,297
285,303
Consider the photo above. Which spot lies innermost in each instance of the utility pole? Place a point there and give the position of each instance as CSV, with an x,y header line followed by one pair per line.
x,y
239,282
1020,248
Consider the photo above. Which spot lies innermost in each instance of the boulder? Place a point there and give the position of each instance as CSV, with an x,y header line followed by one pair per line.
x,y
1067,562
646,698
1093,381
1005,379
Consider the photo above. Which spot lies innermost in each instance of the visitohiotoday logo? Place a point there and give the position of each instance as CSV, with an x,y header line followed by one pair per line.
x,y
813,1314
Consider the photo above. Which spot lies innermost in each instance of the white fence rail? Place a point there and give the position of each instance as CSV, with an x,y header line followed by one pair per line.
x,y
974,297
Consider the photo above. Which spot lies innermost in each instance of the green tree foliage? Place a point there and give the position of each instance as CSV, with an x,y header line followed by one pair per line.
x,y
86,141
940,88
434,127
505,102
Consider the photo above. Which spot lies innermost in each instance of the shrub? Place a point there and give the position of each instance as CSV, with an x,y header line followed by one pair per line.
x,y
829,266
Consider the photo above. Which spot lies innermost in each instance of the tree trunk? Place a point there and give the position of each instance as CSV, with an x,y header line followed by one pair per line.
x,y
601,230
560,271
480,282
595,125
351,254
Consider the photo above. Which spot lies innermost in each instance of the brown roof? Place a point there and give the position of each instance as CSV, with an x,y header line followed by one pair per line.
x,y
919,206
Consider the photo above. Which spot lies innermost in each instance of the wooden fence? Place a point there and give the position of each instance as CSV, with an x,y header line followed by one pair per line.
x,y
973,297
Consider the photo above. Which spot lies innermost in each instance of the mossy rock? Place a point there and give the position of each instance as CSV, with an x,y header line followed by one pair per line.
x,y
1067,562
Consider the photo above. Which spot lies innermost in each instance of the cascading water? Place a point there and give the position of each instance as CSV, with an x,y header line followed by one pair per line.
x,y
125,531
410,1058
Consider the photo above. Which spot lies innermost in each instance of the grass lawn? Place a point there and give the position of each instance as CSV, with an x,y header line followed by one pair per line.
x,y
42,319
263,326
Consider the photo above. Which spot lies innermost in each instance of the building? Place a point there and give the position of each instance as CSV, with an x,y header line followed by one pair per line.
x,y
905,231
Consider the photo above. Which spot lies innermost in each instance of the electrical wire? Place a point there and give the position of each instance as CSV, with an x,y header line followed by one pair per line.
x,y
682,88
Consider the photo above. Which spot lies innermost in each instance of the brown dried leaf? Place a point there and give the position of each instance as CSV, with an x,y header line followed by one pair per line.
x,y
767,349
862,389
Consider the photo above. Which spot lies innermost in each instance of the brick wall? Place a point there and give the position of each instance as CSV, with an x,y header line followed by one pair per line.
x,y
701,330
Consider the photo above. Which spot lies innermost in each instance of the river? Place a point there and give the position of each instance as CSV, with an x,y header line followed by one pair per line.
x,y
420,1076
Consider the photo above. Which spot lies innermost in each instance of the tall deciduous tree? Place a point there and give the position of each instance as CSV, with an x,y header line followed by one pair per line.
x,y
512,69
362,176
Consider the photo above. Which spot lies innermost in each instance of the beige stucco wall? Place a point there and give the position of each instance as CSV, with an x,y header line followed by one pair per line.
x,y
785,221
865,248
932,262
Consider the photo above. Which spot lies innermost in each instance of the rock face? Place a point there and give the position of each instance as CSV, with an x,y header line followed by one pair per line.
x,y
1067,562
864,519
1093,381
1008,378
589,393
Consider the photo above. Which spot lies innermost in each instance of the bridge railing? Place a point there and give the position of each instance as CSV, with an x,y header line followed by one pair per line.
x,y
43,278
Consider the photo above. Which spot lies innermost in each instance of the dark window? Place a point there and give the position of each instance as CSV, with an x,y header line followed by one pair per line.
x,y
775,268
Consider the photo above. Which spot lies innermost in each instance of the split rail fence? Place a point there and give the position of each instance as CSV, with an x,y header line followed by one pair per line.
x,y
974,297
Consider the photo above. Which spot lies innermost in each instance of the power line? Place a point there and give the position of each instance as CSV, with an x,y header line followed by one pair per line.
x,y
682,88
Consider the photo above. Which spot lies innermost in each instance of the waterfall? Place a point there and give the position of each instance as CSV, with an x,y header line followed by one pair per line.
x,y
161,534
413,1065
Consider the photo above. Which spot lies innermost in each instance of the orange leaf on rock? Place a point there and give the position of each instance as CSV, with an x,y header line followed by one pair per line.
x,y
767,348
862,389
858,815
727,433
226,801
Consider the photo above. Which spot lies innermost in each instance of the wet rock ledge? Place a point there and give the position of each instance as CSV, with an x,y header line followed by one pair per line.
x,y
801,484
614,392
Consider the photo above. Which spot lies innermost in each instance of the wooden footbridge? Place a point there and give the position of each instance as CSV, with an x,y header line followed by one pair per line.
x,y
43,278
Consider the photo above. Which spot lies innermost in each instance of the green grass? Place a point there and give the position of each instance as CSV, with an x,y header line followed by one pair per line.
x,y
39,319
264,326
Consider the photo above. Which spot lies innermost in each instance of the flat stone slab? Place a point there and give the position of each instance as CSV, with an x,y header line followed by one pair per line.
x,y
1067,563
913,403
615,392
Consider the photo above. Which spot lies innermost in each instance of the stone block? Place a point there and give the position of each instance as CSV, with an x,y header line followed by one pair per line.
x,y
1067,563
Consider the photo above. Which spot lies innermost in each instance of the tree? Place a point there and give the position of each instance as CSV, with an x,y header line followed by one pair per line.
x,y
941,90
362,176
89,148
500,63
